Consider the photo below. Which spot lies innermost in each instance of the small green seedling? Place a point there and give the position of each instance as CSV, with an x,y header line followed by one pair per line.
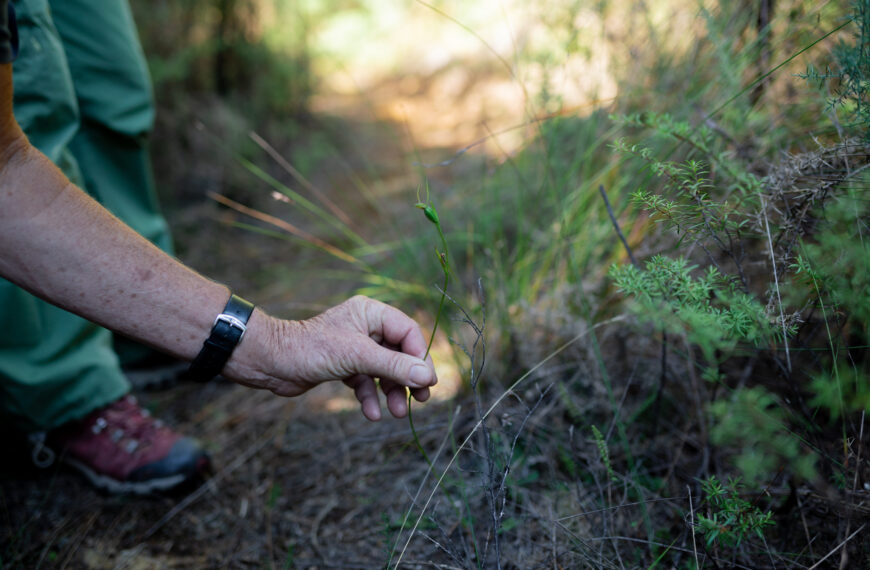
x,y
730,518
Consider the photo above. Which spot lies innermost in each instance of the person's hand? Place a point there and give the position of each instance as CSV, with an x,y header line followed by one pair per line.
x,y
356,342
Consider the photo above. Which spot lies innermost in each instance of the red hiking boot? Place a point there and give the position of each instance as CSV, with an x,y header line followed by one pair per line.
x,y
122,449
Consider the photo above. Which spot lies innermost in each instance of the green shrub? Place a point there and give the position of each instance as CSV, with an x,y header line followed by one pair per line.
x,y
730,518
710,309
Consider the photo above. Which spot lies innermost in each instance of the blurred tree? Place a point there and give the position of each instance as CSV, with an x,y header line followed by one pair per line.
x,y
256,50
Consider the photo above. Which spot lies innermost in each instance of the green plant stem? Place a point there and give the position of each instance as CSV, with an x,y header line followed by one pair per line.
x,y
446,268
443,260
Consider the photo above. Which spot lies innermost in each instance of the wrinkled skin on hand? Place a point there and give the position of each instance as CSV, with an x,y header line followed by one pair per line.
x,y
357,342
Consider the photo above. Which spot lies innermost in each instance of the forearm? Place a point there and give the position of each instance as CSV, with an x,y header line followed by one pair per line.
x,y
61,245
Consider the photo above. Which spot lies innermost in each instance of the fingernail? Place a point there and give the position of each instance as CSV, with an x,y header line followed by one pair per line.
x,y
420,375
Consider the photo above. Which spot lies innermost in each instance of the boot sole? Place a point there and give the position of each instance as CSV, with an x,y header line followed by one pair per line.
x,y
116,487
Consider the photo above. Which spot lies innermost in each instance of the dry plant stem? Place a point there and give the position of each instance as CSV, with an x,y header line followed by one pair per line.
x,y
776,283
324,199
834,353
563,112
329,217
620,506
692,523
800,505
497,487
844,557
651,543
77,541
489,411
211,485
429,470
494,483
838,547
616,226
775,69
286,226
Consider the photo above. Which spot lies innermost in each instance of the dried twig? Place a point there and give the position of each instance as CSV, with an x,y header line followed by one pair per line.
x,y
838,547
279,158
495,404
211,484
617,228
692,526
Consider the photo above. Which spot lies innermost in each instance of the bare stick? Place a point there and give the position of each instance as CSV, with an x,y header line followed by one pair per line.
x,y
286,226
619,506
510,389
324,199
692,522
211,484
838,547
616,226
844,559
776,282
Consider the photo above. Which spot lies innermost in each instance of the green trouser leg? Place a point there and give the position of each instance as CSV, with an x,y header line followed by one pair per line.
x,y
54,366
116,106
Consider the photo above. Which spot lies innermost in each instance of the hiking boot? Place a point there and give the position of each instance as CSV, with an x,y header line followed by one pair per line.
x,y
120,448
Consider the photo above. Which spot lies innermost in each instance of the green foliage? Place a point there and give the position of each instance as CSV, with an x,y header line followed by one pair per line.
x,y
730,518
806,224
841,390
290,557
715,208
709,309
836,262
832,276
274,494
754,423
849,75
256,51
528,220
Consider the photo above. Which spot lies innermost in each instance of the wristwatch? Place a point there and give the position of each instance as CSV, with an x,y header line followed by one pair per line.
x,y
226,334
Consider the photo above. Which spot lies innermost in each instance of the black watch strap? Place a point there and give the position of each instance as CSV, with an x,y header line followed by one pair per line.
x,y
227,332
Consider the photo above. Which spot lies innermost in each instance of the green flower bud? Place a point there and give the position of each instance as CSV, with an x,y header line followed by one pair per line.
x,y
429,211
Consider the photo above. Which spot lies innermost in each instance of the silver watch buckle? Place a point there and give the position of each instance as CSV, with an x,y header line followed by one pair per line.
x,y
233,322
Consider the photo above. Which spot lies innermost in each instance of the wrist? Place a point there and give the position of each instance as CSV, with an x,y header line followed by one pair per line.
x,y
253,360
227,333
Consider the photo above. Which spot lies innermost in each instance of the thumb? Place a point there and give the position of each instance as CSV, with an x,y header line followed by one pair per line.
x,y
404,369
